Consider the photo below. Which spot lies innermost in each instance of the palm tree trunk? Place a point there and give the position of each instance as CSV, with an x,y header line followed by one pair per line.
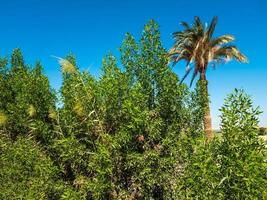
x,y
206,107
207,123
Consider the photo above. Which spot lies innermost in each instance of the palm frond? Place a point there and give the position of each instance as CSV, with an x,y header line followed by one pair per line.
x,y
196,45
185,25
193,76
231,52
212,26
198,22
186,73
224,39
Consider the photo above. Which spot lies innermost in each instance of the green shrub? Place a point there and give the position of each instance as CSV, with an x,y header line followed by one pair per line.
x,y
26,98
118,136
231,167
26,172
243,166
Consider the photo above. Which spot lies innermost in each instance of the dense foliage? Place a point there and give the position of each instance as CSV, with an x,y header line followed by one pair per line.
x,y
133,133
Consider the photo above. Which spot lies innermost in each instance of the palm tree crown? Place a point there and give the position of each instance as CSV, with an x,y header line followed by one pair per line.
x,y
195,44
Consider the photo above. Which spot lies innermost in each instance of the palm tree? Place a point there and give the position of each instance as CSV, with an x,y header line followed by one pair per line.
x,y
197,46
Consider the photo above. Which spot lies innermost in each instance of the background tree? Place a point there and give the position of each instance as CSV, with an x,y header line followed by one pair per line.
x,y
26,98
197,46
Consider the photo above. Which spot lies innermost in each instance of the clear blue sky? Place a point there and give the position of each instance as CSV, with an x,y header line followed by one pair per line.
x,y
92,28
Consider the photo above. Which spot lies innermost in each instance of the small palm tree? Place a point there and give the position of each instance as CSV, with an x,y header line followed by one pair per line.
x,y
197,46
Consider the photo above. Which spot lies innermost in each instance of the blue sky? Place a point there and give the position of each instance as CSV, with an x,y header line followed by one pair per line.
x,y
90,29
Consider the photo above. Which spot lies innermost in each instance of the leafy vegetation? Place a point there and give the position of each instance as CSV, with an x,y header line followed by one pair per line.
x,y
133,133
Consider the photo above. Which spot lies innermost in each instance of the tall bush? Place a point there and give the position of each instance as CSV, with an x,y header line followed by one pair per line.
x,y
26,98
243,166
